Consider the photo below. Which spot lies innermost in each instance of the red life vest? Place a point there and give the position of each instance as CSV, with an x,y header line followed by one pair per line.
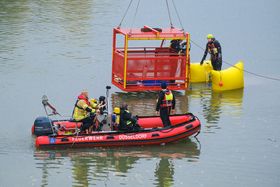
x,y
79,112
82,97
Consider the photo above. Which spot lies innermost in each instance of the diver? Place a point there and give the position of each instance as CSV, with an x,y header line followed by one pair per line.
x,y
127,122
214,48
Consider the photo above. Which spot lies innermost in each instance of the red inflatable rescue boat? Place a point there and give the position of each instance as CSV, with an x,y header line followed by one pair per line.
x,y
62,133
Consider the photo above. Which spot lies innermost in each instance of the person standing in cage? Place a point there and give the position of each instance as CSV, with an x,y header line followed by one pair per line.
x,y
214,48
165,104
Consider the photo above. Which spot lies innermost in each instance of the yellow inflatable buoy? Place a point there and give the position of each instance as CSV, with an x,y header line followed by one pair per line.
x,y
200,73
228,79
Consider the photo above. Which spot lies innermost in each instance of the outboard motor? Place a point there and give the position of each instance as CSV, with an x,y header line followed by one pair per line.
x,y
43,126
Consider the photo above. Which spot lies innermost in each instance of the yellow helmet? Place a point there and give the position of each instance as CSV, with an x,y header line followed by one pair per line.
x,y
210,36
93,102
117,110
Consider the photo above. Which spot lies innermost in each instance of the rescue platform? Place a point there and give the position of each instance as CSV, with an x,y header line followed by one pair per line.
x,y
137,66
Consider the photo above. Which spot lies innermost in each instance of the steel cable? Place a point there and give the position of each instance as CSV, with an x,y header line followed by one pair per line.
x,y
169,15
135,13
125,13
178,15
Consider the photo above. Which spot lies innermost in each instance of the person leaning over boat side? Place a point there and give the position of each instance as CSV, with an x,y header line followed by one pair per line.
x,y
165,104
214,48
84,111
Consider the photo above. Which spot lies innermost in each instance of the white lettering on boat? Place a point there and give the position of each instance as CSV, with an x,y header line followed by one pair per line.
x,y
87,138
133,137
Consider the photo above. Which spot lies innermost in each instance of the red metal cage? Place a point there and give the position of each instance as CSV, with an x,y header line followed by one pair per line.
x,y
144,68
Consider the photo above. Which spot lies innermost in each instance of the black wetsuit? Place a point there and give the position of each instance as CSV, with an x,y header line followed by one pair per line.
x,y
127,121
215,50
163,110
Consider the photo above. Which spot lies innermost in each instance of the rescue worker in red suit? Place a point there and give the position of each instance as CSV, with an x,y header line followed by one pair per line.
x,y
165,104
213,47
84,111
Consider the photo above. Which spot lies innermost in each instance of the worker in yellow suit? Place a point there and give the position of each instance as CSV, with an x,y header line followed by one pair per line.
x,y
85,111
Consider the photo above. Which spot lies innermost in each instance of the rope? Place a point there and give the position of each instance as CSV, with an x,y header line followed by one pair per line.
x,y
169,15
135,13
125,13
252,73
249,72
178,15
77,134
197,45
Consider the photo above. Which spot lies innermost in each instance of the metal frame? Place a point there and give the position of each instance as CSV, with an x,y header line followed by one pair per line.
x,y
153,34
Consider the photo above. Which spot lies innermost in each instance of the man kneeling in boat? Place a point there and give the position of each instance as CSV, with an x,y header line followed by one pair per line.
x,y
85,111
127,122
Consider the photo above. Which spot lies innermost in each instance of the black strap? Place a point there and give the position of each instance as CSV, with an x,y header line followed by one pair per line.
x,y
76,105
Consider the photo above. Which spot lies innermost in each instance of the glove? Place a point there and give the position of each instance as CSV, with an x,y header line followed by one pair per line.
x,y
92,115
88,109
